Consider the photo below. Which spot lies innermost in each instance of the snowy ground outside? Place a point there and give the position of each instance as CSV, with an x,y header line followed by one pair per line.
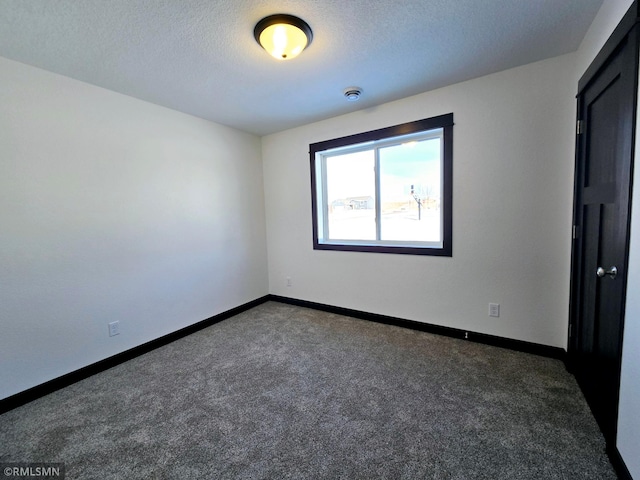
x,y
398,225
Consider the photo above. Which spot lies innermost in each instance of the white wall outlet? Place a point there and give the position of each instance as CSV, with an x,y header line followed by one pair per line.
x,y
288,281
114,329
494,309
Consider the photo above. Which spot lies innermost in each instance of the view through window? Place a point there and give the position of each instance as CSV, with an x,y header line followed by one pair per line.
x,y
385,191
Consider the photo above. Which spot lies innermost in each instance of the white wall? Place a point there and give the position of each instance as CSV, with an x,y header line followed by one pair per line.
x,y
629,407
513,164
115,209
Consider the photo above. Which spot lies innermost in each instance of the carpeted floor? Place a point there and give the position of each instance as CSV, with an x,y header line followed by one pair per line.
x,y
284,392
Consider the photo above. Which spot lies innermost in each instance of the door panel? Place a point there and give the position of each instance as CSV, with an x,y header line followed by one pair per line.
x,y
606,106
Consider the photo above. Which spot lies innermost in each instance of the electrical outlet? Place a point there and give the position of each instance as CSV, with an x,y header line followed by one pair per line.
x,y
114,329
494,309
288,281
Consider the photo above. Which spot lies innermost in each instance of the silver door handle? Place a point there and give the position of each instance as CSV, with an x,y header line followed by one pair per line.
x,y
612,272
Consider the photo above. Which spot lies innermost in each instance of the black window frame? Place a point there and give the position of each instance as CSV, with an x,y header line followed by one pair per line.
x,y
444,122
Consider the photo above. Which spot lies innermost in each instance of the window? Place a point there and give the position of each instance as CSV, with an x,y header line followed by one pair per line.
x,y
387,191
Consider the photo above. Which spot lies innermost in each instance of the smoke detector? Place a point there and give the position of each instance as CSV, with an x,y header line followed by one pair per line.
x,y
352,94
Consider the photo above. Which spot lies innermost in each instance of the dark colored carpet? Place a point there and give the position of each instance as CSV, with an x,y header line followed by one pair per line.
x,y
287,392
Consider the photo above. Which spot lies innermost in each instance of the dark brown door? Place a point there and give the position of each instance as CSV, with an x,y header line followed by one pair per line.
x,y
606,112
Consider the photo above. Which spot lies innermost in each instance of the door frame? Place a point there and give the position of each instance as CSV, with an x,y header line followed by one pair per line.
x,y
627,30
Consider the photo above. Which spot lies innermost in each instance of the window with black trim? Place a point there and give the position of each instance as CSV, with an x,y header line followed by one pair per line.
x,y
386,191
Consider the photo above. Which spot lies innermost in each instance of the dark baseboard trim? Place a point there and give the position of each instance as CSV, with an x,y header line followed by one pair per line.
x,y
618,463
43,389
518,345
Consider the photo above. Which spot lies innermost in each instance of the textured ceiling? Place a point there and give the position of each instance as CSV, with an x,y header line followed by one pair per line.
x,y
200,57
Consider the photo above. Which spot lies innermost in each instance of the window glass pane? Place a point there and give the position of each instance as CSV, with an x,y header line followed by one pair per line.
x,y
410,184
351,196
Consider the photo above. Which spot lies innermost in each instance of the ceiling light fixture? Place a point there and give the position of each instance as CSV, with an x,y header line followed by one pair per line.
x,y
352,94
283,36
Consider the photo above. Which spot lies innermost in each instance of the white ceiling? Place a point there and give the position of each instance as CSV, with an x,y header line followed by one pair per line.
x,y
200,57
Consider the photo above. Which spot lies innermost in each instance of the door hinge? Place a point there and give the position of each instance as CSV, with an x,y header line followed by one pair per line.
x,y
579,127
576,231
570,325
